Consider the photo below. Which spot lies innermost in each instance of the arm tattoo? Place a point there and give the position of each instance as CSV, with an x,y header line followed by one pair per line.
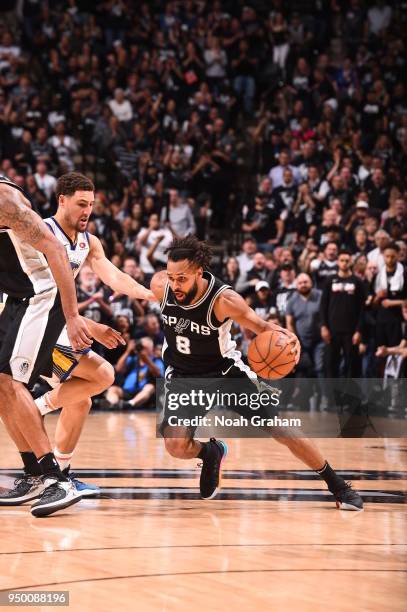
x,y
17,216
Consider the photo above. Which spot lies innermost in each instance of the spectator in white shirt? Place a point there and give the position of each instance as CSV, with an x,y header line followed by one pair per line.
x,y
147,236
178,216
215,59
245,257
120,107
376,256
65,147
46,182
276,173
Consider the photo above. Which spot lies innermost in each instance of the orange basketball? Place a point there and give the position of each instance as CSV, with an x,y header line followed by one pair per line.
x,y
270,354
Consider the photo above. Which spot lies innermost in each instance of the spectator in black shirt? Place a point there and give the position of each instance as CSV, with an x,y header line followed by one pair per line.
x,y
327,267
93,297
286,193
397,214
285,288
330,219
377,190
151,329
342,302
263,300
244,67
355,217
264,224
360,243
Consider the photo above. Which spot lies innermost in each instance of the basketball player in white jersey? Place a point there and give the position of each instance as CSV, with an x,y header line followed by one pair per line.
x,y
77,376
35,275
198,311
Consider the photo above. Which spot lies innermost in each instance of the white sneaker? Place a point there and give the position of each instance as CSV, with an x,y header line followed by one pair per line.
x,y
58,494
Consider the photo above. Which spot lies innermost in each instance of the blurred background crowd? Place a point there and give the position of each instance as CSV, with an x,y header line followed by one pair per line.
x,y
275,130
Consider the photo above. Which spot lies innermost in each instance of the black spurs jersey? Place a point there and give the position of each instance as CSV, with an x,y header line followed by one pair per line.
x,y
24,271
195,341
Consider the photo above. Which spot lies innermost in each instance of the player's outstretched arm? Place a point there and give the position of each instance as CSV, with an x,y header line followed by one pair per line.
x,y
231,305
112,276
16,214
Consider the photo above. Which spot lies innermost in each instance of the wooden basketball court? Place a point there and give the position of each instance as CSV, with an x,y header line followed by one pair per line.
x,y
273,540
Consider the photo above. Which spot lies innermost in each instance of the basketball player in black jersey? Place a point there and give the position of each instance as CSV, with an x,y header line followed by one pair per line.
x,y
198,311
36,276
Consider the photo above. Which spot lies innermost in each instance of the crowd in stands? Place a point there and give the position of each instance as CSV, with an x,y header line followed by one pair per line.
x,y
275,130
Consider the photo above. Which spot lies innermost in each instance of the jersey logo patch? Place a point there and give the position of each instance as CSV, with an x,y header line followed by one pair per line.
x,y
82,245
181,325
20,367
24,367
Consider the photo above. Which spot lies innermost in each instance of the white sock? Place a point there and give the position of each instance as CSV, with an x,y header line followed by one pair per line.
x,y
64,459
44,404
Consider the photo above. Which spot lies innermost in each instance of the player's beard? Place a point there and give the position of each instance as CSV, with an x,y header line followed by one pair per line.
x,y
189,296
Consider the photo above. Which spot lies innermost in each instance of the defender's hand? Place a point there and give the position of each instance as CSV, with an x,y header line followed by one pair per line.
x,y
109,337
78,333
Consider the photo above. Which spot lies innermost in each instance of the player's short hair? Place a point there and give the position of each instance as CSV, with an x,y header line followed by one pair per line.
x,y
70,182
196,251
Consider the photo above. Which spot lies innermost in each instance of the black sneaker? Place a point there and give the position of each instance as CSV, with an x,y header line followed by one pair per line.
x,y
58,494
209,483
347,498
25,489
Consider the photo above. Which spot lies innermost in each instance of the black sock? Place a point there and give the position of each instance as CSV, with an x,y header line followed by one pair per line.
x,y
203,453
331,478
50,466
31,465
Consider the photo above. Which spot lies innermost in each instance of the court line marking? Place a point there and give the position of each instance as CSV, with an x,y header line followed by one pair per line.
x,y
170,546
248,494
202,573
238,474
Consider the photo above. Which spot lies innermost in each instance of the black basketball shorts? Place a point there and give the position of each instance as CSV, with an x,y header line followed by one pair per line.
x,y
233,369
29,330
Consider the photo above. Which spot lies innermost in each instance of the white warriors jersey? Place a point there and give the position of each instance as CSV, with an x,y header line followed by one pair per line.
x,y
77,253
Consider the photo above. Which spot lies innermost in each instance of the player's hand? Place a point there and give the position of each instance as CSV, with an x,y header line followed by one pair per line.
x,y
386,303
78,333
109,337
296,347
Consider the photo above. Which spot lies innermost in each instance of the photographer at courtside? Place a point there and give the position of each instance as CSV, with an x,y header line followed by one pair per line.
x,y
136,372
